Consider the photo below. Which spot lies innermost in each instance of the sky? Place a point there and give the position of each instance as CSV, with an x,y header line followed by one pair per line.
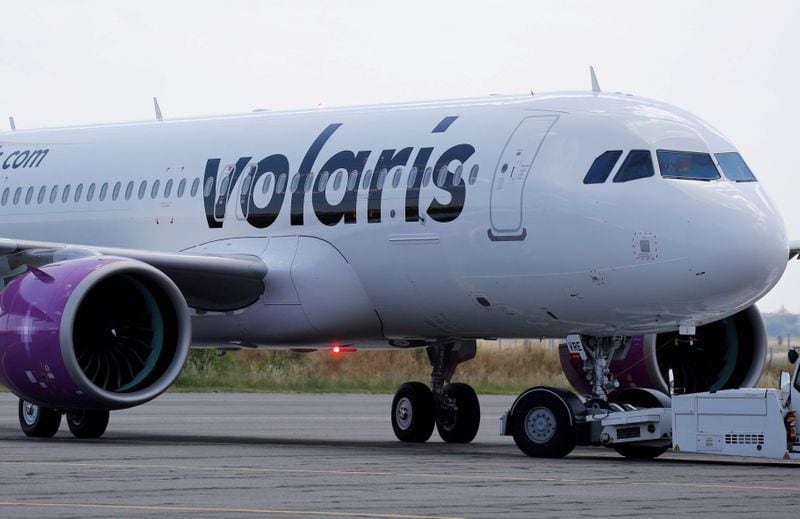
x,y
736,64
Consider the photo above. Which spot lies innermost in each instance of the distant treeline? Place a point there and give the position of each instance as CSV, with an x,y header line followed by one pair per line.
x,y
783,324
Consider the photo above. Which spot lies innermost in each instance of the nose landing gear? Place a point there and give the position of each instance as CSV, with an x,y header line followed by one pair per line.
x,y
452,407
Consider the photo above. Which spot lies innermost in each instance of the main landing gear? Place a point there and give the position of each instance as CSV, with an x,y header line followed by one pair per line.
x,y
452,407
43,422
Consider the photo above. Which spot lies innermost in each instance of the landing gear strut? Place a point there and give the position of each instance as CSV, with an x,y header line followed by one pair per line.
x,y
453,408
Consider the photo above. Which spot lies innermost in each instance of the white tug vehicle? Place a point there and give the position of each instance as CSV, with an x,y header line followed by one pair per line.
x,y
644,423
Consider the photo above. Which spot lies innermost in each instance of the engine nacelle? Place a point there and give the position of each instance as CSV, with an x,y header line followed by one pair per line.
x,y
725,354
97,332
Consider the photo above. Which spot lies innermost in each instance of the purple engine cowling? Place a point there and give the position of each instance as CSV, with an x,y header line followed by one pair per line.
x,y
98,332
726,354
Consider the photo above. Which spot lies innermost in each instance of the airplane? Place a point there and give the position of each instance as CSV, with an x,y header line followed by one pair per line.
x,y
627,224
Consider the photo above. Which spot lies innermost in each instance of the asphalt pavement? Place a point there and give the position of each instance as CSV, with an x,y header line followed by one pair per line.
x,y
302,455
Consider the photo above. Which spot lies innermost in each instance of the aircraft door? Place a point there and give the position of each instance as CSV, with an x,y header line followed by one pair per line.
x,y
224,184
513,169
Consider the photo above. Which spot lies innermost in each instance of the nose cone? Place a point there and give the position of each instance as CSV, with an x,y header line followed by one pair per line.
x,y
738,248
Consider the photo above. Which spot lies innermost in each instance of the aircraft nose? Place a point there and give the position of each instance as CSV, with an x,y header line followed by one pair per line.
x,y
738,243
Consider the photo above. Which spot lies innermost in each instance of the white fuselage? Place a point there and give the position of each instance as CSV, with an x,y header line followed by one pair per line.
x,y
501,238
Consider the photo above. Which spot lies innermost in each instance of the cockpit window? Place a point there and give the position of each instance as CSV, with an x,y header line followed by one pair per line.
x,y
601,167
638,164
734,167
686,165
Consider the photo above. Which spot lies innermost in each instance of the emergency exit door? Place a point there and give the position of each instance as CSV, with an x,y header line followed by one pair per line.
x,y
515,166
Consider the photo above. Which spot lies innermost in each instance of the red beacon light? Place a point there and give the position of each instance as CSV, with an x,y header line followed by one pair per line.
x,y
336,349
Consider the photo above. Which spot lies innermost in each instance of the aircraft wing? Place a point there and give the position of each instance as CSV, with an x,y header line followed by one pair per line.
x,y
794,249
199,277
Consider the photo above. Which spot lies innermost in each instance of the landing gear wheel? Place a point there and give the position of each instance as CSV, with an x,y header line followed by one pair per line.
x,y
461,424
412,413
542,426
87,424
641,399
37,421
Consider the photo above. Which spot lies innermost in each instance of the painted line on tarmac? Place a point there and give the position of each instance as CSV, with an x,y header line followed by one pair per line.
x,y
460,477
250,418
200,509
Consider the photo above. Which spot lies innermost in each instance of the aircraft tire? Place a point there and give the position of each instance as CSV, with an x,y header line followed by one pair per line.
x,y
37,421
541,425
640,452
467,418
413,413
87,424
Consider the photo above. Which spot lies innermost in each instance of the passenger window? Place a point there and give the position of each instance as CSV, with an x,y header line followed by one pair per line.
x,y
209,185
323,181
735,169
352,179
686,165
397,175
441,176
280,184
42,192
115,192
195,187
53,195
382,178
412,177
181,187
167,188
248,179
638,164
17,195
154,190
426,178
267,184
367,180
473,174
457,177
103,191
142,189
309,182
129,190
65,194
337,181
601,167
90,192
4,199
78,191
29,196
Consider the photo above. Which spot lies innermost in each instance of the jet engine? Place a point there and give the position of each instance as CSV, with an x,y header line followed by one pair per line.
x,y
98,332
725,354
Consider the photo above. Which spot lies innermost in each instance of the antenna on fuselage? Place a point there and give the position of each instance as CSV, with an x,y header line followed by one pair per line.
x,y
12,124
159,117
595,84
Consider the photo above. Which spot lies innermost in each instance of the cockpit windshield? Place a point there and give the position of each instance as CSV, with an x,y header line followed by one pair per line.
x,y
686,165
734,167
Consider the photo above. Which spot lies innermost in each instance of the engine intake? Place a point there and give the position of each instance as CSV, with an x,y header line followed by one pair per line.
x,y
726,354
95,332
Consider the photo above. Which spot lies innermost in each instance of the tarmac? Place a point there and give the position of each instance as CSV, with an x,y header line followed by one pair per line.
x,y
304,455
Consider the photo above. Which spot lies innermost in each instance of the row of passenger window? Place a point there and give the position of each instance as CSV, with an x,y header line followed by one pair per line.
x,y
337,179
685,165
67,193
